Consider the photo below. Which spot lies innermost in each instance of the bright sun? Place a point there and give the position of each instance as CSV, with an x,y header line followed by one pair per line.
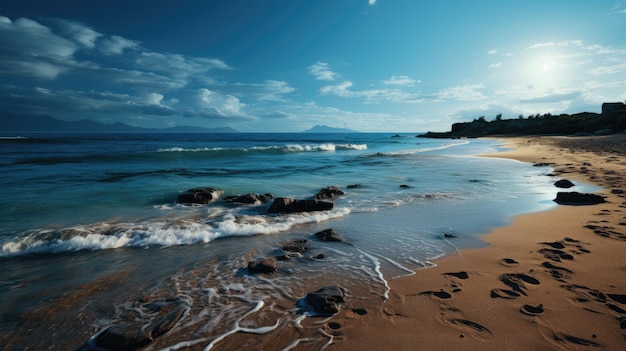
x,y
546,67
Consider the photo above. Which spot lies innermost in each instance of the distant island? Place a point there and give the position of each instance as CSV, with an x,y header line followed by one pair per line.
x,y
17,123
327,129
612,120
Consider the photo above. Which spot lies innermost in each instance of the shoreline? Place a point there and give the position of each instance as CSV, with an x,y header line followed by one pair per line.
x,y
551,280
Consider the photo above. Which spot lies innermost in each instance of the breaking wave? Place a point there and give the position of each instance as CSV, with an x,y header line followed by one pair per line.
x,y
288,148
170,232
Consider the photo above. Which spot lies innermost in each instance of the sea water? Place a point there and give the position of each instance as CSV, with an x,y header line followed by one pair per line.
x,y
89,226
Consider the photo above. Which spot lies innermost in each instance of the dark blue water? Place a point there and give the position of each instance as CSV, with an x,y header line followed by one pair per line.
x,y
79,209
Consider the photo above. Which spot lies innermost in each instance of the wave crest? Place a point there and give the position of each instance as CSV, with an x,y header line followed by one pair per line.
x,y
272,148
176,231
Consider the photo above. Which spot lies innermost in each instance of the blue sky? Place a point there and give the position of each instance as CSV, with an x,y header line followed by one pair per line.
x,y
288,65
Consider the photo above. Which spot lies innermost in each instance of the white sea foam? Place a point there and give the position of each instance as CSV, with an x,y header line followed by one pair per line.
x,y
174,231
198,149
324,147
13,138
376,266
238,328
283,148
428,149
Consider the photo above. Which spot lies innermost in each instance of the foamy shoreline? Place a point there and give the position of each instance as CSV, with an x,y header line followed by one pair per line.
x,y
523,292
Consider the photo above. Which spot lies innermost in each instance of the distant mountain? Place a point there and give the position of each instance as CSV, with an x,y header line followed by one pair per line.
x,y
327,129
11,122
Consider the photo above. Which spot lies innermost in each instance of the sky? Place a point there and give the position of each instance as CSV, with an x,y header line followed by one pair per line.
x,y
288,65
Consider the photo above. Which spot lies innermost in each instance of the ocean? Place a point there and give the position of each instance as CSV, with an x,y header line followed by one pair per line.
x,y
91,235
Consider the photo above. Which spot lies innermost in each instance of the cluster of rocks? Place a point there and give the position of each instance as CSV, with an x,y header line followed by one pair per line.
x,y
322,201
574,197
201,196
324,301
289,249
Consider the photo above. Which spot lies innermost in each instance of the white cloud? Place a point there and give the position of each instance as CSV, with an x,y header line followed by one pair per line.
x,y
176,65
462,93
28,48
371,2
341,89
401,80
140,80
565,43
495,65
493,51
154,99
270,90
611,69
115,45
554,97
321,71
375,95
211,103
273,90
79,33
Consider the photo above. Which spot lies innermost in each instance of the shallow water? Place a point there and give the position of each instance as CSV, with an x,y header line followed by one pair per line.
x,y
91,233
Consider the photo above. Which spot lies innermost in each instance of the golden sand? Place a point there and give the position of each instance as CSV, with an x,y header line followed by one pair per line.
x,y
553,280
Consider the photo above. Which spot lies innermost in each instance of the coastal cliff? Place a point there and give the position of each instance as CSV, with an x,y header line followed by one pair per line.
x,y
611,120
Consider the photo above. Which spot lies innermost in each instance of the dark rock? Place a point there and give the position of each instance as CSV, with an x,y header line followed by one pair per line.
x,y
168,322
325,300
360,311
576,198
124,337
249,198
328,193
329,235
404,186
449,235
289,205
563,183
352,186
298,246
543,164
334,325
263,265
199,196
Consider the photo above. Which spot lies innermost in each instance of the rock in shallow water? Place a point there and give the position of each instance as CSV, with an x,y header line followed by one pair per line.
x,y
263,265
290,205
329,235
563,183
199,196
324,301
328,193
124,337
576,198
249,198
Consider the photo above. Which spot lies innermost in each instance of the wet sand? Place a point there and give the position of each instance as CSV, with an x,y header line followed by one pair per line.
x,y
553,280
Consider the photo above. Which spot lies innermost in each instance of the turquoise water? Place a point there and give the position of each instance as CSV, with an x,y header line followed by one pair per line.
x,y
77,209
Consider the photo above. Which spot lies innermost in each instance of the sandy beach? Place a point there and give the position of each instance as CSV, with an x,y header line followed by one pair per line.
x,y
553,280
